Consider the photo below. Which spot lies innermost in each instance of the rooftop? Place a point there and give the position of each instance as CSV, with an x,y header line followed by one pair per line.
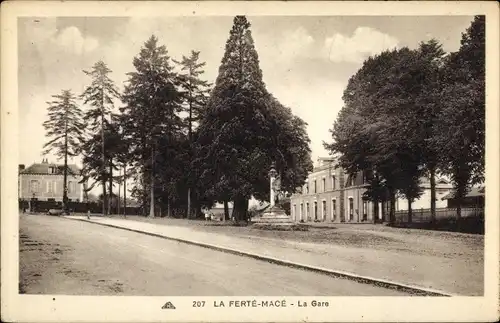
x,y
47,168
474,192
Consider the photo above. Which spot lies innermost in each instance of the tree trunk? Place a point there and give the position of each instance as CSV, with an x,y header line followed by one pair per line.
x,y
392,212
375,211
189,203
409,211
246,209
239,210
226,210
433,193
384,215
65,171
124,190
152,188
152,198
461,176
103,158
119,192
110,198
169,210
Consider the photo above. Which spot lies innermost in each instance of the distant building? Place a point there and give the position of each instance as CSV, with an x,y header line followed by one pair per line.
x,y
473,199
443,187
331,194
44,182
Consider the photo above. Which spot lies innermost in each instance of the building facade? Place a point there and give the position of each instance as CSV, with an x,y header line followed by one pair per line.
x,y
44,182
330,194
443,187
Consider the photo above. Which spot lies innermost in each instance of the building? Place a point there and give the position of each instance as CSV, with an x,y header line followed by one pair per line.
x,y
331,194
473,199
44,182
443,187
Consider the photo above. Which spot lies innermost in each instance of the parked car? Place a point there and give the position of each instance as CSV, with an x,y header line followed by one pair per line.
x,y
55,212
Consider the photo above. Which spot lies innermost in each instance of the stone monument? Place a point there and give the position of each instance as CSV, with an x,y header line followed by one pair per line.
x,y
273,215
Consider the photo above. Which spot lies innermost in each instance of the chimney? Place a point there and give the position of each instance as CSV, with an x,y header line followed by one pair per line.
x,y
21,167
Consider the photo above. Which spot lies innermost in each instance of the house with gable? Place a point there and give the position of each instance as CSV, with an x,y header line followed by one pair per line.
x,y
44,182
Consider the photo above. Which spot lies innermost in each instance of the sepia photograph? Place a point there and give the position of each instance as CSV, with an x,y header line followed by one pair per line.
x,y
251,161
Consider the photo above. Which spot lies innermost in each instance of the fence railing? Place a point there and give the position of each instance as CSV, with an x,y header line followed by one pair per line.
x,y
424,215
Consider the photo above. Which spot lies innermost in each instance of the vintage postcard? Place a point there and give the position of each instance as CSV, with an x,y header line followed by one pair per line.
x,y
245,161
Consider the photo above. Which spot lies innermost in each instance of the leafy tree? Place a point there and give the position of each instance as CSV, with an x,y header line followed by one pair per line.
x,y
375,128
362,132
152,103
100,95
196,93
429,60
245,129
64,127
460,130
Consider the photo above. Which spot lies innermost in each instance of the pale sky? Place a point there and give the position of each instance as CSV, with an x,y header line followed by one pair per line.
x,y
306,61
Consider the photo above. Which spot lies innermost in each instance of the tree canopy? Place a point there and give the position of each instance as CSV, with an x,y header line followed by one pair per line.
x,y
245,129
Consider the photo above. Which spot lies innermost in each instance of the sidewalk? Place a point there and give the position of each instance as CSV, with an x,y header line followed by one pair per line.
x,y
454,275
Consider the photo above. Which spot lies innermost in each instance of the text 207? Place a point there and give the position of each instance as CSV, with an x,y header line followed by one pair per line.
x,y
198,303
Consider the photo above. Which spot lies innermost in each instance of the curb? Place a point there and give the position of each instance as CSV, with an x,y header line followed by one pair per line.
x,y
414,290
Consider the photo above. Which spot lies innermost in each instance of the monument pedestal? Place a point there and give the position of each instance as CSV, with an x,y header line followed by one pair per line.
x,y
273,217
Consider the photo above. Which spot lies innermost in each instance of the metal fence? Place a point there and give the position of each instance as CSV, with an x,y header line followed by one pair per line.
x,y
424,215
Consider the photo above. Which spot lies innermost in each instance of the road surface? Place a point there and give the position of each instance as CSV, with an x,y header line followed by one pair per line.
x,y
62,256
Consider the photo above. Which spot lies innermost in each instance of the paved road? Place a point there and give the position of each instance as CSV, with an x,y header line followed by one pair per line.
x,y
61,256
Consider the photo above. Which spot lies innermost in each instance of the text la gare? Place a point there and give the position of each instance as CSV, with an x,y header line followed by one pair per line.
x,y
313,304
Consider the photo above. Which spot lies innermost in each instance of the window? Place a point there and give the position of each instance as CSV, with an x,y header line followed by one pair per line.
x,y
323,215
365,210
301,211
351,208
52,170
334,209
307,188
294,211
315,210
315,188
34,186
71,187
323,184
50,187
307,212
334,184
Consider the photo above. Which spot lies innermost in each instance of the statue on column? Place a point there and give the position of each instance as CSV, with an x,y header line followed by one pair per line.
x,y
277,189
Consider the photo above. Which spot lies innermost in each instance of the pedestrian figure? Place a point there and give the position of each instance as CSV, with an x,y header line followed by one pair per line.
x,y
88,214
207,214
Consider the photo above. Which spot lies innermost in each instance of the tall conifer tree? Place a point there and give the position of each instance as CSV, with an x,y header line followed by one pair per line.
x,y
64,127
239,137
152,106
196,93
100,95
